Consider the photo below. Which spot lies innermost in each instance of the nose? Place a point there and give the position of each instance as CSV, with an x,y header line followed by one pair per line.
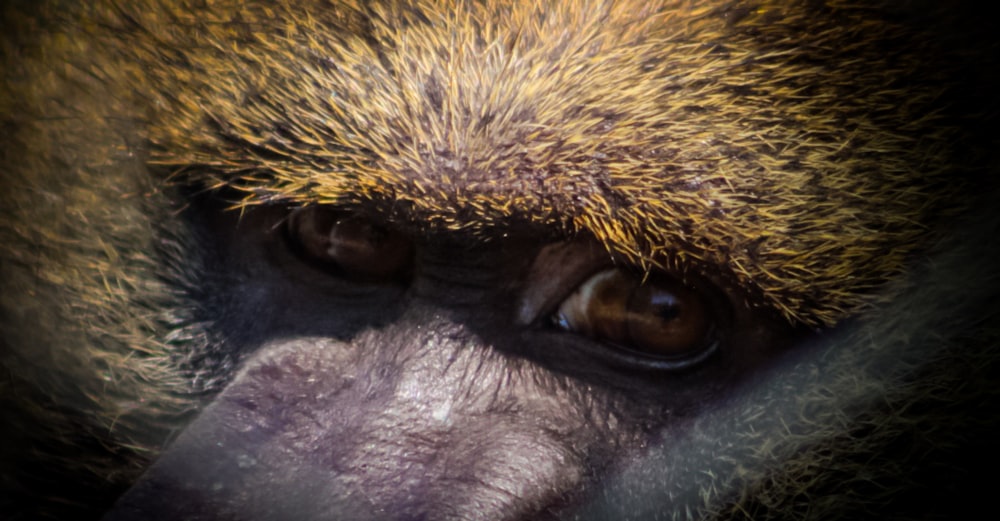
x,y
314,429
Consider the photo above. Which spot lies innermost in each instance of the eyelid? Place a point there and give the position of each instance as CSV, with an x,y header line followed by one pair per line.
x,y
632,359
556,272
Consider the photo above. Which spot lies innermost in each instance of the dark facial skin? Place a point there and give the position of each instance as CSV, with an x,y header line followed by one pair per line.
x,y
444,393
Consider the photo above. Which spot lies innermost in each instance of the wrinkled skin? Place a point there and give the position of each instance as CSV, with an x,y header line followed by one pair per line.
x,y
409,402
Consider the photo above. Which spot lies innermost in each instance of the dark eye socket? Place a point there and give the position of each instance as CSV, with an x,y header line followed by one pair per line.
x,y
349,244
659,319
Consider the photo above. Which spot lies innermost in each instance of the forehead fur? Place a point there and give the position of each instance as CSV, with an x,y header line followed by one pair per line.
x,y
791,144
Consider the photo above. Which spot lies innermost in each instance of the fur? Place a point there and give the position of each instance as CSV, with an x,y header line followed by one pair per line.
x,y
817,153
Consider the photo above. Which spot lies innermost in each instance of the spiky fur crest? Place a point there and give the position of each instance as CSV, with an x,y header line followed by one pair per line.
x,y
709,134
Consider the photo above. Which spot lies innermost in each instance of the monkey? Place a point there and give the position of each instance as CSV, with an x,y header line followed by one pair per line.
x,y
443,259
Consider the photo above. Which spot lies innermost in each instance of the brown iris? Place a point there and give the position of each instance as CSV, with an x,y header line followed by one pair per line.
x,y
354,245
660,317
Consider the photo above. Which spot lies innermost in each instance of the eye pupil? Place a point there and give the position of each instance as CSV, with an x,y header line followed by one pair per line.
x,y
668,318
661,304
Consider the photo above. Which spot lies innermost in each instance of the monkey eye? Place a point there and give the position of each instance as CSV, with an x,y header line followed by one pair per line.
x,y
661,320
348,243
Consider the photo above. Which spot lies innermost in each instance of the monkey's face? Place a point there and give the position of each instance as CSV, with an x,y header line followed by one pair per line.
x,y
393,374
479,260
489,252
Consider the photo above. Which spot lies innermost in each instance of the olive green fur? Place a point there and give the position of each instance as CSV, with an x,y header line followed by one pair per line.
x,y
894,418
